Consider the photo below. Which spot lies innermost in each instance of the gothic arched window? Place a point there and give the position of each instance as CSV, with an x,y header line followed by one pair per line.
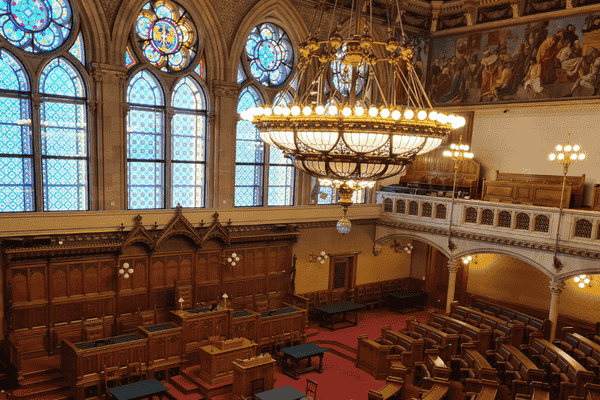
x,y
166,121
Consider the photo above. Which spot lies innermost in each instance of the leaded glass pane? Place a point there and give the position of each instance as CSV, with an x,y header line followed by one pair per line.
x,y
145,185
187,137
342,75
15,126
12,75
77,50
129,60
16,184
269,54
276,156
145,134
248,185
188,184
188,95
248,98
281,186
63,129
62,79
166,35
241,75
64,184
35,25
144,89
199,70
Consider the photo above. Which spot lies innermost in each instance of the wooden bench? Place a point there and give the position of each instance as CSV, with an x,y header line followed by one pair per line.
x,y
407,351
532,324
391,391
447,343
432,367
539,391
522,370
468,333
576,183
573,376
474,367
436,390
484,390
585,351
514,331
372,357
537,194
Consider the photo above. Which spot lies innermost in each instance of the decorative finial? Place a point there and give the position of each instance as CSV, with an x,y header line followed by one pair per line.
x,y
137,219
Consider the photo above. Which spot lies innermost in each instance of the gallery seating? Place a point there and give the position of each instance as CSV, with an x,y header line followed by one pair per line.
x,y
519,368
391,391
467,332
433,338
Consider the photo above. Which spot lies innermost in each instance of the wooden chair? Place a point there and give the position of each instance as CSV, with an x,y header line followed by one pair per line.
x,y
311,390
322,298
336,297
134,372
278,344
258,386
111,374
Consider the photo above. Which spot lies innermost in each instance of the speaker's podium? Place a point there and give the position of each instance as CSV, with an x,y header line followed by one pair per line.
x,y
214,374
245,371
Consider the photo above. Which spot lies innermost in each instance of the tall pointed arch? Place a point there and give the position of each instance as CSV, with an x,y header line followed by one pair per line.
x,y
188,144
16,145
145,142
64,140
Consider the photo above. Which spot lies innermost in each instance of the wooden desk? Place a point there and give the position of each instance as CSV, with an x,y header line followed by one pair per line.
x,y
303,352
139,390
407,298
245,371
329,312
281,393
165,348
217,364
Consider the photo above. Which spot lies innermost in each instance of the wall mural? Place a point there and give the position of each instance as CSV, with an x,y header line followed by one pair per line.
x,y
420,57
537,61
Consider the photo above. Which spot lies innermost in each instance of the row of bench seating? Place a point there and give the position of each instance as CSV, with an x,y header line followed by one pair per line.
x,y
520,370
446,343
585,351
468,333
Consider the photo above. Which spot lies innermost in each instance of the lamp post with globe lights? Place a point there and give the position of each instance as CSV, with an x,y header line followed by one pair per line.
x,y
565,155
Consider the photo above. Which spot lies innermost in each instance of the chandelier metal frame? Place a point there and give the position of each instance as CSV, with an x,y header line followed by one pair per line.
x,y
350,142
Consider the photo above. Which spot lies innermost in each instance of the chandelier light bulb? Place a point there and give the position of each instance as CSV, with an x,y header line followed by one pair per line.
x,y
447,153
581,285
307,111
456,154
295,111
409,114
396,115
576,279
121,271
245,115
323,254
233,263
125,265
130,270
373,112
433,115
385,113
259,111
333,110
573,156
561,156
453,146
322,261
551,156
466,147
267,112
558,147
286,111
465,261
277,110
320,110
576,147
582,276
581,156
442,118
586,281
346,112
126,276
463,121
234,255
229,259
568,147
359,111
422,115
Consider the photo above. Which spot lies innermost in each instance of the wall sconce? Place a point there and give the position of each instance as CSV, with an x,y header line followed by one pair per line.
x,y
321,257
469,259
408,248
232,259
582,281
397,247
125,270
225,297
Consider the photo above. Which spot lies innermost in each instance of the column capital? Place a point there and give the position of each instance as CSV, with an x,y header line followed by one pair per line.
x,y
107,73
226,89
556,287
453,265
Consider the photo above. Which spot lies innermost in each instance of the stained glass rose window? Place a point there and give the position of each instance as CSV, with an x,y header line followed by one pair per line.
x,y
166,35
269,54
35,25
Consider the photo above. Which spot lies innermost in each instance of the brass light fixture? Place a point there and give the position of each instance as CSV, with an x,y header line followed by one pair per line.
x,y
353,131
470,259
458,153
125,271
565,155
320,258
582,281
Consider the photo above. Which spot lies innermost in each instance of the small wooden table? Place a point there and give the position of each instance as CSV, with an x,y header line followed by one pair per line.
x,y
329,311
139,390
302,352
281,393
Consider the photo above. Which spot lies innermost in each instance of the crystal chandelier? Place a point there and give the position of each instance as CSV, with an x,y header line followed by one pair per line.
x,y
360,113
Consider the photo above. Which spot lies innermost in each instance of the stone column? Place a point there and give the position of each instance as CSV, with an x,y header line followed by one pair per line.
x,y
110,111
556,288
453,266
225,122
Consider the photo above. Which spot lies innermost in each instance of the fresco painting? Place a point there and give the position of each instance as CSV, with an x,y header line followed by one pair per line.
x,y
544,60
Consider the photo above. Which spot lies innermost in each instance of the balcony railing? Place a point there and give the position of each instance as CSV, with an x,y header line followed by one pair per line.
x,y
533,223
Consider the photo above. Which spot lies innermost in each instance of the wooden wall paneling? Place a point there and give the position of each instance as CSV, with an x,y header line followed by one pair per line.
x,y
186,266
18,281
75,279
106,276
59,279
139,278
259,285
260,261
157,271
37,283
90,277
249,261
272,260
171,270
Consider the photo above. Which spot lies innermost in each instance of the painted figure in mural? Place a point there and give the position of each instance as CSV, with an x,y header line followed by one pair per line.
x,y
489,70
457,69
593,26
532,79
546,55
570,35
501,84
588,81
519,69
570,60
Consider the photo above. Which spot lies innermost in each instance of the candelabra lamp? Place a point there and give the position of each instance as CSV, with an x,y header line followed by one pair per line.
x,y
565,155
468,259
458,153
231,259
